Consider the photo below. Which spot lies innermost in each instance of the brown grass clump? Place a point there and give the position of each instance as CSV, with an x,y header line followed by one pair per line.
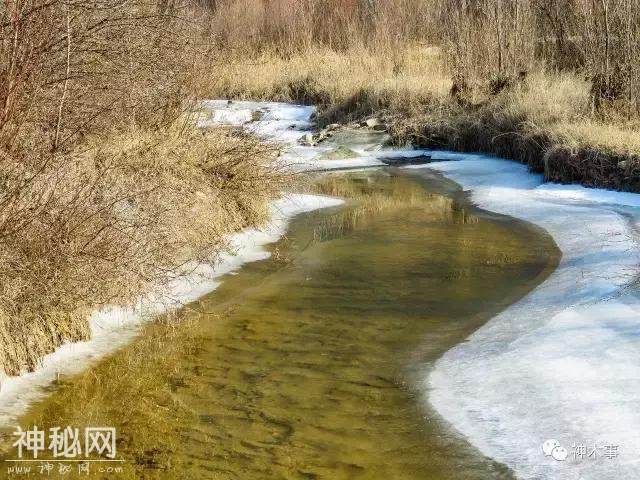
x,y
397,75
106,222
513,78
530,120
489,41
105,186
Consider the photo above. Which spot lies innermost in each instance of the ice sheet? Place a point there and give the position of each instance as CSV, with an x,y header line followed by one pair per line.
x,y
564,362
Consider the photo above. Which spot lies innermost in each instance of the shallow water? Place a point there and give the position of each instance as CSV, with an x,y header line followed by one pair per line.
x,y
312,363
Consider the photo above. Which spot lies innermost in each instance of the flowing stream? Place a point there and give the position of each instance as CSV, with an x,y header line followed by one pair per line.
x,y
311,363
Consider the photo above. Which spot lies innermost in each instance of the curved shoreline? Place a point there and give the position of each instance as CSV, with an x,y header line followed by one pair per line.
x,y
330,337
115,326
559,364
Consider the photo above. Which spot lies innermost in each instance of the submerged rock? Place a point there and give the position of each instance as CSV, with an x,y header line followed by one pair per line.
x,y
340,153
311,140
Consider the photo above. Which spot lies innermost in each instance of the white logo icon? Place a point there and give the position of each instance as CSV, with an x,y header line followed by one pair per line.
x,y
560,454
552,448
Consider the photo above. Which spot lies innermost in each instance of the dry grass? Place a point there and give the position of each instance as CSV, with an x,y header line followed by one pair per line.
x,y
102,192
108,221
363,58
410,87
624,139
560,105
416,80
322,75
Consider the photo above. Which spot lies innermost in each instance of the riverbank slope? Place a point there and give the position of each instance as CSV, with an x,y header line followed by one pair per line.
x,y
107,190
543,119
560,363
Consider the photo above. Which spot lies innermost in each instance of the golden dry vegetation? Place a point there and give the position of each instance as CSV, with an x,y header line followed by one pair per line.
x,y
555,84
106,187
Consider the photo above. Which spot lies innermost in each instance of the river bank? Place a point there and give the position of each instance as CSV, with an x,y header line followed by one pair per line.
x,y
309,363
570,343
546,120
114,326
133,216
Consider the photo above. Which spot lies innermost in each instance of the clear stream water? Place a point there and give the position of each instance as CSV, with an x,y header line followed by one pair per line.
x,y
312,362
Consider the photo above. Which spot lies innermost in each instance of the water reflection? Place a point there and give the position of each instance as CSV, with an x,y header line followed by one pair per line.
x,y
312,364
316,372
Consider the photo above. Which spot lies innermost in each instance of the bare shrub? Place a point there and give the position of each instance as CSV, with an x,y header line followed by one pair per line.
x,y
110,221
105,187
482,39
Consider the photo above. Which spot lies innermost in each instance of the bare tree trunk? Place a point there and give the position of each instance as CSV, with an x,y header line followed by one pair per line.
x,y
65,84
605,13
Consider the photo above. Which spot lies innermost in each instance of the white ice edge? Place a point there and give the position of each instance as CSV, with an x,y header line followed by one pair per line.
x,y
115,326
564,362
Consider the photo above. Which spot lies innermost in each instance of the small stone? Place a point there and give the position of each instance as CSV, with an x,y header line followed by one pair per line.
x,y
322,136
371,122
307,139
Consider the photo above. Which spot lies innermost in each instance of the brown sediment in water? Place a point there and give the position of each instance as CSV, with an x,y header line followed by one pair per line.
x,y
311,364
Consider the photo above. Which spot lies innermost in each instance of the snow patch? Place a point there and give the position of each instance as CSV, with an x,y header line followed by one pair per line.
x,y
564,362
